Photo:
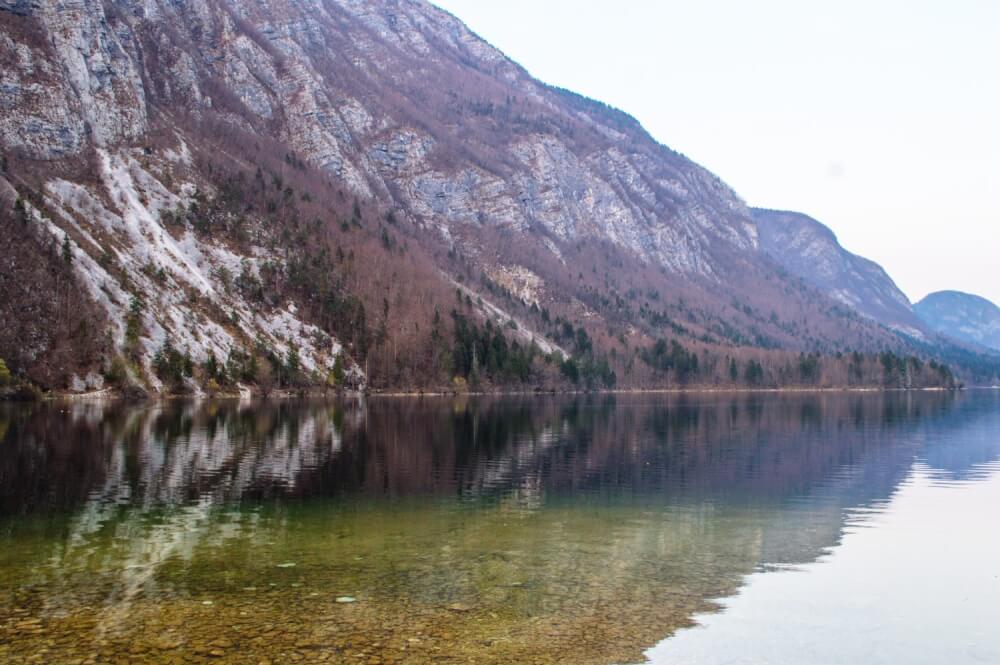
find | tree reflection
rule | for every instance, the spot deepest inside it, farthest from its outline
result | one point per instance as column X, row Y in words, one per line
column 617, row 516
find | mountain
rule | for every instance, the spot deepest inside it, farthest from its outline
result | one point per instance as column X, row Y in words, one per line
column 216, row 194
column 962, row 316
column 810, row 250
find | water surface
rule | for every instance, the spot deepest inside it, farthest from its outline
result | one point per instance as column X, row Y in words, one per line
column 581, row 529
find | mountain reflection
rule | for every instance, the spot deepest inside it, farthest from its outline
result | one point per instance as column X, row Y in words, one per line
column 760, row 447
column 614, row 517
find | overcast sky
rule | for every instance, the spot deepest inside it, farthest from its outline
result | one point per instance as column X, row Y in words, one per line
column 880, row 118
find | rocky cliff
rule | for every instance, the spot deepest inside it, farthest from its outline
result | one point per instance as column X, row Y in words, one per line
column 380, row 94
column 364, row 191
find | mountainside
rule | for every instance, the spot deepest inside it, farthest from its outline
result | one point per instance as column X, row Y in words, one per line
column 963, row 316
column 807, row 248
column 222, row 193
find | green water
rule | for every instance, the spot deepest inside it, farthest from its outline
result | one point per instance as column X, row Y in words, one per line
column 582, row 530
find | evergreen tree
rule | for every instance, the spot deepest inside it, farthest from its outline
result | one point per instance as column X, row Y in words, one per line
column 67, row 251
column 5, row 376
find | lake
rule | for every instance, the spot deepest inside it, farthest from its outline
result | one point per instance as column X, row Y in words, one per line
column 743, row 528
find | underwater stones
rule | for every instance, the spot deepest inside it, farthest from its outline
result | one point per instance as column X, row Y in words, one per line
column 165, row 643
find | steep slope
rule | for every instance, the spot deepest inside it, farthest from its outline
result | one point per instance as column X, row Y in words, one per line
column 807, row 248
column 394, row 98
column 352, row 191
column 962, row 316
column 167, row 294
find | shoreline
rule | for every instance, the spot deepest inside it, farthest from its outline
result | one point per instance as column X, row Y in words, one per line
column 111, row 395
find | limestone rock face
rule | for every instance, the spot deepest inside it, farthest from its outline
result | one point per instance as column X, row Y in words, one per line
column 69, row 80
column 488, row 146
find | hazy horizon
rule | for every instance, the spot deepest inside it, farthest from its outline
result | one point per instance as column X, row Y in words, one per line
column 879, row 121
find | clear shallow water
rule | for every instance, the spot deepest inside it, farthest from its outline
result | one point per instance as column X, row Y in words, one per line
column 793, row 529
column 917, row 581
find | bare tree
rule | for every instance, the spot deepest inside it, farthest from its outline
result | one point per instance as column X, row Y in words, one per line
column 265, row 378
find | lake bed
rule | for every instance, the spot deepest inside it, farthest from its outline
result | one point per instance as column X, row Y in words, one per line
column 583, row 529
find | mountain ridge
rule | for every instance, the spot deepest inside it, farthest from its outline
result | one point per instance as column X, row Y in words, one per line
column 812, row 250
column 300, row 186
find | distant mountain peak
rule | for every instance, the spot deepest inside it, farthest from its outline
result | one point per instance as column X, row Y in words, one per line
column 811, row 250
column 962, row 316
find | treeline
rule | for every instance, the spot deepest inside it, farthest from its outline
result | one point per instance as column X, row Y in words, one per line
column 484, row 354
column 672, row 364
column 586, row 366
column 50, row 327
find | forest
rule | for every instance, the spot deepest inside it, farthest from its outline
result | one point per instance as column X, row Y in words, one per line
column 403, row 325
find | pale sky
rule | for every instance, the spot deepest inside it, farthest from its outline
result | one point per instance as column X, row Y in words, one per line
column 880, row 118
